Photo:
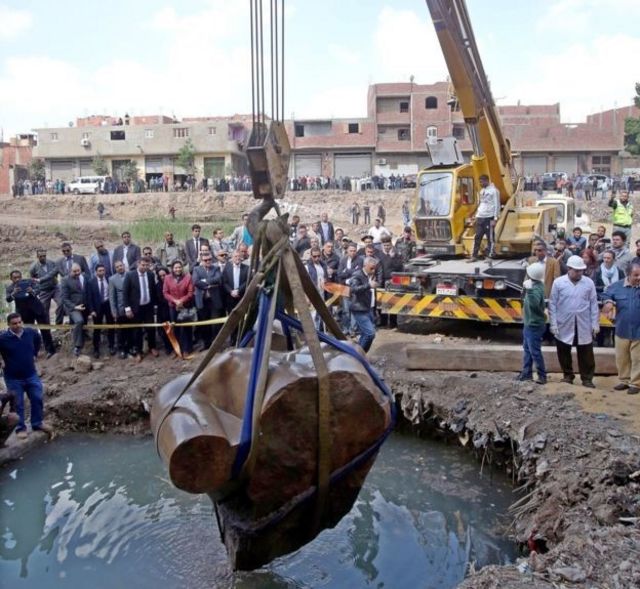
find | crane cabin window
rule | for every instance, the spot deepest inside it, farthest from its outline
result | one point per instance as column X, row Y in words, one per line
column 435, row 195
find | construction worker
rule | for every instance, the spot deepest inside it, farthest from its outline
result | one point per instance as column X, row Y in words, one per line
column 622, row 218
column 534, row 324
column 486, row 217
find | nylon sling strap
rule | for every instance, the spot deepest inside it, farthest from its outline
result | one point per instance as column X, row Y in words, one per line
column 324, row 407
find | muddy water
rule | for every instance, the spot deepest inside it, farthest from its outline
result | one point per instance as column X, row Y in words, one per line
column 99, row 512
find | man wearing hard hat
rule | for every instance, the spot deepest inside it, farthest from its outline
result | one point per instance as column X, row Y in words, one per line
column 574, row 320
column 534, row 324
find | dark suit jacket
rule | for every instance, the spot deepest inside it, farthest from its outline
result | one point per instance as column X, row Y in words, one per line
column 133, row 255
column 227, row 279
column 208, row 282
column 93, row 294
column 191, row 252
column 360, row 292
column 131, row 290
column 61, row 264
column 331, row 235
column 73, row 295
column 344, row 273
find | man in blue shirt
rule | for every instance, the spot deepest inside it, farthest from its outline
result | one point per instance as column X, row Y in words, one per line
column 624, row 297
column 19, row 347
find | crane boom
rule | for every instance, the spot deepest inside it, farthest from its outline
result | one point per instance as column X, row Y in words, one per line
column 455, row 34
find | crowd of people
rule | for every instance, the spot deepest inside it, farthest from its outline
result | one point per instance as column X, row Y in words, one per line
column 181, row 282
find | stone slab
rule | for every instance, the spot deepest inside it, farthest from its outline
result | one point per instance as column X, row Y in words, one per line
column 499, row 358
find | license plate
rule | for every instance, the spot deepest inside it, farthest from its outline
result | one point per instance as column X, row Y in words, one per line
column 446, row 289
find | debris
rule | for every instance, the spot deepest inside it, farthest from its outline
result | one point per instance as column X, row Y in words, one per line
column 83, row 364
column 573, row 574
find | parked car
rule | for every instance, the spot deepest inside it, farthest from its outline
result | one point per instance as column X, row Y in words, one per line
column 549, row 179
column 601, row 178
column 86, row 185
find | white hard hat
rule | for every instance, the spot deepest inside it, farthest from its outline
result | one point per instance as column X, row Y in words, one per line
column 576, row 262
column 536, row 271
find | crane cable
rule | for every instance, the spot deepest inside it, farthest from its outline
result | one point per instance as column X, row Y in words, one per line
column 276, row 63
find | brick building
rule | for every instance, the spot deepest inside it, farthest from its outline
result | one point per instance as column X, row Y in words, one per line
column 401, row 117
column 15, row 157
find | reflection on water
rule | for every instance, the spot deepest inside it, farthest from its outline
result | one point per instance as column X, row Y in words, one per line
column 100, row 512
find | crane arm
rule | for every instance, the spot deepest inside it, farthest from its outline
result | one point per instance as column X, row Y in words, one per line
column 491, row 149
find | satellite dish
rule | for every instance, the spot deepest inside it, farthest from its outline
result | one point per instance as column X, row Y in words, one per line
column 70, row 123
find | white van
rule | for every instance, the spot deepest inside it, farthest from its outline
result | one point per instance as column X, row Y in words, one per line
column 87, row 185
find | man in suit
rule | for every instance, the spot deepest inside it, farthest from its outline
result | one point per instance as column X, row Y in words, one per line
column 68, row 258
column 234, row 279
column 327, row 232
column 116, row 305
column 207, row 283
column 139, row 297
column 100, row 309
column 75, row 302
column 234, row 282
column 128, row 253
column 24, row 294
column 192, row 246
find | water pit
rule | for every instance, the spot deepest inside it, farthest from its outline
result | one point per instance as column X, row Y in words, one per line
column 98, row 511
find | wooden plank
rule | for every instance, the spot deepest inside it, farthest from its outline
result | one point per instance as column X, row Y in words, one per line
column 499, row 358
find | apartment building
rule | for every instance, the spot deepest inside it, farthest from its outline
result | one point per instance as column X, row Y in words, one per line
column 152, row 142
column 15, row 157
column 403, row 117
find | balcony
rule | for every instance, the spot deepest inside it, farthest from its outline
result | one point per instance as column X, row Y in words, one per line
column 393, row 118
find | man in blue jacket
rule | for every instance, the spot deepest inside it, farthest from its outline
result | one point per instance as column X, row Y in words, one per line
column 19, row 347
column 624, row 297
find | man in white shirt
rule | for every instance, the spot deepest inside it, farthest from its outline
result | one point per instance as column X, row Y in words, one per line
column 378, row 230
column 486, row 216
column 574, row 320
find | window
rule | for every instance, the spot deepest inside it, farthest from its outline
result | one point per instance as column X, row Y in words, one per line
column 466, row 193
column 354, row 128
column 53, row 136
column 598, row 160
column 117, row 136
column 431, row 102
column 432, row 132
column 458, row 130
column 404, row 106
column 299, row 130
column 435, row 195
column 148, row 133
column 86, row 135
column 181, row 132
column 404, row 135
column 212, row 130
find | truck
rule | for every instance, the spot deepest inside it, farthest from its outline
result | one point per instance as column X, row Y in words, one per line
column 440, row 282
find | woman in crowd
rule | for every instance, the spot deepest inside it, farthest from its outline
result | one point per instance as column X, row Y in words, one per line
column 589, row 257
column 178, row 292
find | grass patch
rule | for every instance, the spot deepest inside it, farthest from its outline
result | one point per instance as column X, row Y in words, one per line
column 151, row 231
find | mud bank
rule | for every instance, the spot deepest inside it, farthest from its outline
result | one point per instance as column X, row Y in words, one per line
column 577, row 476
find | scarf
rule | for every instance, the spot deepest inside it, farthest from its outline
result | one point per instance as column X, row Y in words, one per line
column 609, row 276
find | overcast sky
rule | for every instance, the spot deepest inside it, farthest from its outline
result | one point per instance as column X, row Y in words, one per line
column 69, row 58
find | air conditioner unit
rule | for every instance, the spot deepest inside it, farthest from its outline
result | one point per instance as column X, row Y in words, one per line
column 382, row 162
column 85, row 142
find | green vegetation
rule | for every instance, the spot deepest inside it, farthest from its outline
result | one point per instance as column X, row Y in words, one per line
column 37, row 170
column 130, row 171
column 100, row 166
column 632, row 128
column 186, row 157
column 151, row 231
